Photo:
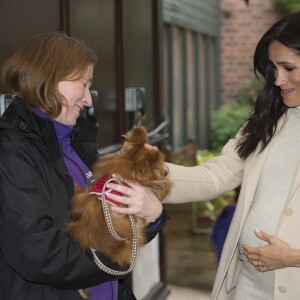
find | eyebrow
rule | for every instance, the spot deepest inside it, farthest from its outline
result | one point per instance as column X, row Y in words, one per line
column 285, row 63
column 282, row 63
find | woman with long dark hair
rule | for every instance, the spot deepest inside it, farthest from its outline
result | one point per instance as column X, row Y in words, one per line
column 261, row 255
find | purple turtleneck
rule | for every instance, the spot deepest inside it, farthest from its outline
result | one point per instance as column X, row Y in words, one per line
column 82, row 177
column 81, row 174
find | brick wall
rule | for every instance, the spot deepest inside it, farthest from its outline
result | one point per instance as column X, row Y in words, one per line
column 241, row 28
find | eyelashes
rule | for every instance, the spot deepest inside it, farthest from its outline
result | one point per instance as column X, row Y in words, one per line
column 286, row 68
column 289, row 69
column 86, row 84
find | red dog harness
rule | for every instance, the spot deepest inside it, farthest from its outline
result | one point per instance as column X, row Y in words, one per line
column 100, row 187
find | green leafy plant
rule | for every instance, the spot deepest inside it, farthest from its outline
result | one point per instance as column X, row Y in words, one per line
column 286, row 7
column 210, row 209
column 226, row 121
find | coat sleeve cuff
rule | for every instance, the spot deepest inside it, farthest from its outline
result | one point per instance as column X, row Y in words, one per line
column 153, row 228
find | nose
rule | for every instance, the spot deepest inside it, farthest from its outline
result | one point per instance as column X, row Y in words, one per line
column 88, row 101
column 280, row 78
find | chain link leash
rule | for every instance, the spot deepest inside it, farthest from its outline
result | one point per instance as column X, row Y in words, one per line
column 107, row 217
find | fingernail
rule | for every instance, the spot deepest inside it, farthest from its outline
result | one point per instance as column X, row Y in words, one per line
column 257, row 230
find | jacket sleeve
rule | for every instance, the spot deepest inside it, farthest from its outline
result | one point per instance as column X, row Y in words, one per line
column 205, row 182
column 153, row 228
column 32, row 245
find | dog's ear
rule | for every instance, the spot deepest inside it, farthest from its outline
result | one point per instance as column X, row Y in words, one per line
column 138, row 135
column 134, row 141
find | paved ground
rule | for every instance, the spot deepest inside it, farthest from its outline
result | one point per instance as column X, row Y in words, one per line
column 183, row 293
column 189, row 257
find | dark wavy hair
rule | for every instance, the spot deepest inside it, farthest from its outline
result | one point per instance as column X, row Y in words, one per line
column 261, row 125
column 34, row 71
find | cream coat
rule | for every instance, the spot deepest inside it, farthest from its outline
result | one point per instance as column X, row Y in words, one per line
column 223, row 173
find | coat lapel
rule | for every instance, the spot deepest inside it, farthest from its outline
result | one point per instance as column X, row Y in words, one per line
column 295, row 184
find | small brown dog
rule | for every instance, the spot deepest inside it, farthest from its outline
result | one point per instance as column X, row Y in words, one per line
column 134, row 163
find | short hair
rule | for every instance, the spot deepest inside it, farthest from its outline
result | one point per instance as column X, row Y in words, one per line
column 34, row 71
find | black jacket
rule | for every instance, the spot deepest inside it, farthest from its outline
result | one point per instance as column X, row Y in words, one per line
column 37, row 260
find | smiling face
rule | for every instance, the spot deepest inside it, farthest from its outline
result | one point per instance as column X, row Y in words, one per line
column 77, row 95
column 287, row 72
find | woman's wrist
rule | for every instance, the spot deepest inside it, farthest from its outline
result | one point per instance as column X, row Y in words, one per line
column 293, row 258
column 155, row 215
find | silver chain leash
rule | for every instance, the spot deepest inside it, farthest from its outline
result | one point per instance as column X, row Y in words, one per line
column 107, row 217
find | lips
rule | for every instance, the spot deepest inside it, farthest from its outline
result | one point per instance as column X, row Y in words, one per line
column 78, row 108
column 287, row 91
